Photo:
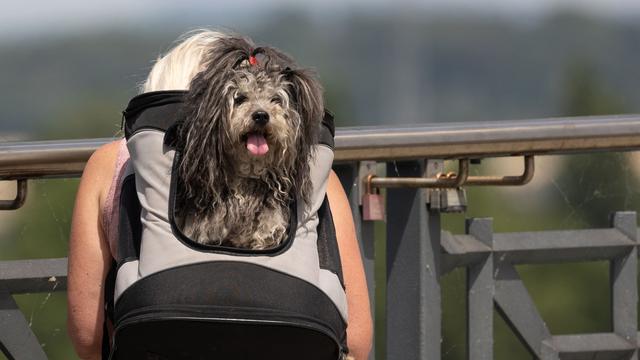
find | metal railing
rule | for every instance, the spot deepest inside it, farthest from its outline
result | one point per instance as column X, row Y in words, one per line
column 418, row 252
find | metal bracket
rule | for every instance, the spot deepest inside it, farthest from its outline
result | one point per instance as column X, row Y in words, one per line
column 438, row 181
column 21, row 196
column 460, row 179
column 525, row 178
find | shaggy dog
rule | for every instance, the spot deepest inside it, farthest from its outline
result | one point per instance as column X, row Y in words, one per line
column 251, row 119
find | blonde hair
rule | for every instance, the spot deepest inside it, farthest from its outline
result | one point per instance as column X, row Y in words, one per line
column 176, row 68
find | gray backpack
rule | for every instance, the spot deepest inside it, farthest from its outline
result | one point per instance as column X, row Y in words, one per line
column 174, row 298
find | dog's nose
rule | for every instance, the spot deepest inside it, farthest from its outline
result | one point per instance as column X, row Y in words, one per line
column 260, row 117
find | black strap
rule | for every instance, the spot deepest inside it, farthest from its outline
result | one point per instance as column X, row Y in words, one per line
column 157, row 109
column 171, row 135
column 327, row 130
column 109, row 290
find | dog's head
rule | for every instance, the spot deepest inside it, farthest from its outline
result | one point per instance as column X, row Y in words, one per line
column 250, row 114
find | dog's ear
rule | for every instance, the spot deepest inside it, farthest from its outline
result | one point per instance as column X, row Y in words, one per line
column 305, row 93
column 202, row 139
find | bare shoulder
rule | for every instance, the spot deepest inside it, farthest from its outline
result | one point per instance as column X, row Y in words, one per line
column 105, row 154
column 100, row 168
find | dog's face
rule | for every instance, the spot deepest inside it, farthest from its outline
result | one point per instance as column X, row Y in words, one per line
column 262, row 126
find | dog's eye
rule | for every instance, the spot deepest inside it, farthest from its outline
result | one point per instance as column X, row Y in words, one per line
column 276, row 100
column 238, row 100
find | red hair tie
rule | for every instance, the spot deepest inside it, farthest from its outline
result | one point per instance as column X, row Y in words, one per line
column 253, row 60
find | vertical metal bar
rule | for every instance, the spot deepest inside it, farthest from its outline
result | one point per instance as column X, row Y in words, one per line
column 480, row 292
column 17, row 341
column 413, row 263
column 624, row 283
column 349, row 177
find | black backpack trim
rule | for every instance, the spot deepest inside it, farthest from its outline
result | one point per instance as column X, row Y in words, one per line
column 328, row 250
column 227, row 292
column 130, row 224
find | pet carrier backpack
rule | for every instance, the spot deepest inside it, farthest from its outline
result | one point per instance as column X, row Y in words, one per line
column 174, row 298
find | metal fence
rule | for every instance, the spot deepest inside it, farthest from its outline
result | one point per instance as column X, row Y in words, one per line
column 418, row 252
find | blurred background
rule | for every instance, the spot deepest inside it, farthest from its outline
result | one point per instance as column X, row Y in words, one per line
column 68, row 68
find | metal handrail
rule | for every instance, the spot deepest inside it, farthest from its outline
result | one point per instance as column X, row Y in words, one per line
column 489, row 139
column 436, row 141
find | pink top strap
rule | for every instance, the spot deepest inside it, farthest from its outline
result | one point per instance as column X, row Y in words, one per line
column 111, row 207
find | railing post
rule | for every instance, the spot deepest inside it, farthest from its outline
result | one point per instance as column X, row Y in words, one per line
column 624, row 283
column 413, row 263
column 480, row 292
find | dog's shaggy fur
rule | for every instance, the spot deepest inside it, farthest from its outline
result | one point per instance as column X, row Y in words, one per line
column 232, row 194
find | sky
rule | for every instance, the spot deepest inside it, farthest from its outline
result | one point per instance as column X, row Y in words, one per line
column 29, row 18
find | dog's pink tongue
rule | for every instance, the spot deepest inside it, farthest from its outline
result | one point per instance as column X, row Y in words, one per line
column 257, row 144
